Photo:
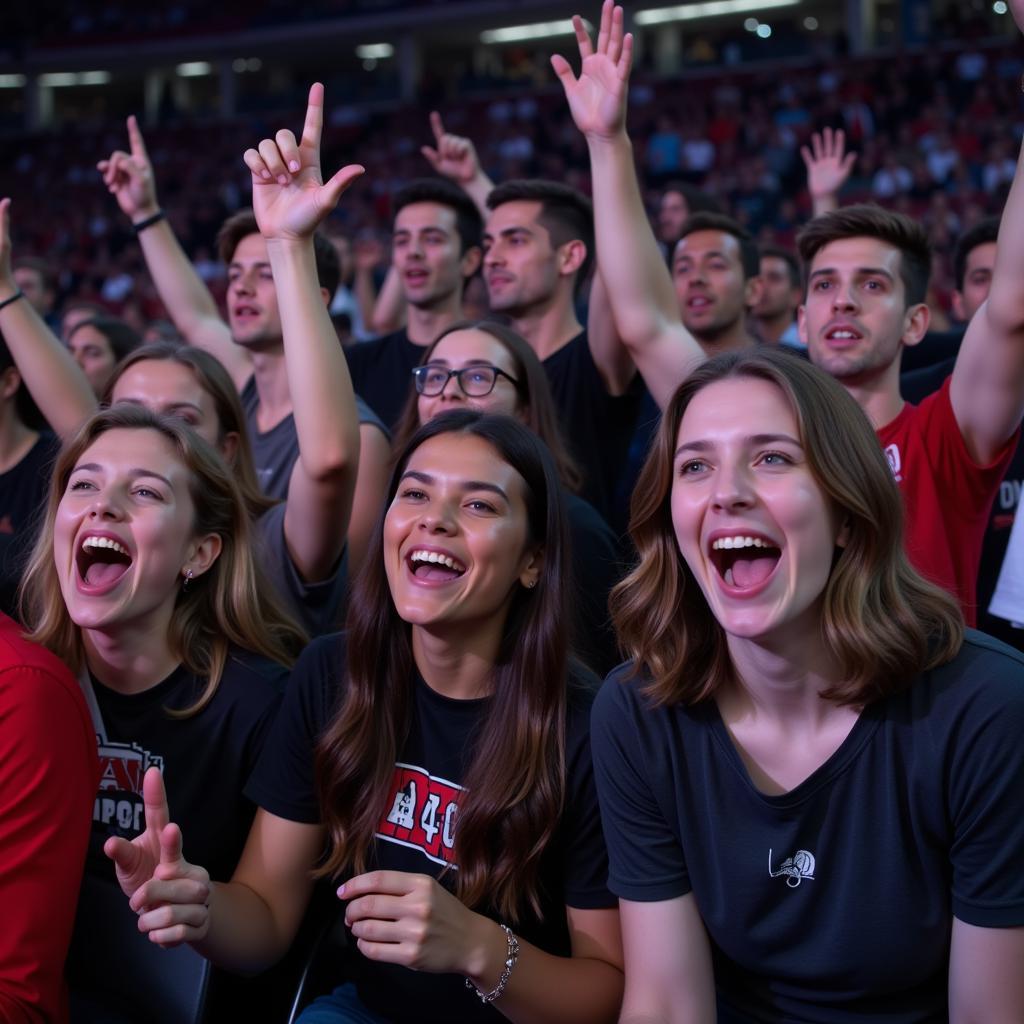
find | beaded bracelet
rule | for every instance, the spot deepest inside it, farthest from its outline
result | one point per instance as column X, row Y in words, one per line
column 19, row 294
column 510, row 961
column 149, row 221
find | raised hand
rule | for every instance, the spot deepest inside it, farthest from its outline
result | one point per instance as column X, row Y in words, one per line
column 454, row 157
column 828, row 164
column 597, row 98
column 129, row 176
column 7, row 283
column 369, row 252
column 289, row 196
column 408, row 919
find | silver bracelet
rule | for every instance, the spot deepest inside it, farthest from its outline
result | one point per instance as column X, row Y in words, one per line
column 510, row 961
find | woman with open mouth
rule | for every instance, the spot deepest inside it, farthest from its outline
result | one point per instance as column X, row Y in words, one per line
column 143, row 582
column 488, row 366
column 440, row 750
column 812, row 782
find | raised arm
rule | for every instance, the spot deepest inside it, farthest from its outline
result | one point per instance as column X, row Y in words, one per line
column 455, row 157
column 639, row 288
column 828, row 167
column 987, row 389
column 47, row 368
column 290, row 199
column 129, row 178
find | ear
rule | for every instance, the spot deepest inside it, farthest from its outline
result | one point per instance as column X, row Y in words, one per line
column 571, row 257
column 915, row 324
column 753, row 289
column 958, row 307
column 202, row 554
column 843, row 536
column 530, row 576
column 326, row 296
column 470, row 262
column 801, row 324
column 229, row 447
column 10, row 381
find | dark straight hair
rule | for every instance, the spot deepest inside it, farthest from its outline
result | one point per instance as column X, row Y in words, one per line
column 515, row 782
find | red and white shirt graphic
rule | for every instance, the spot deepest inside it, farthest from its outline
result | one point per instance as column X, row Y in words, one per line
column 420, row 813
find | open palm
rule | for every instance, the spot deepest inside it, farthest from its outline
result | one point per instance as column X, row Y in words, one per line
column 597, row 98
column 289, row 196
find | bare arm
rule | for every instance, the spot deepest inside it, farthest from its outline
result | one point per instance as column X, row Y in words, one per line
column 986, row 983
column 129, row 177
column 669, row 978
column 371, row 487
column 323, row 480
column 388, row 312
column 828, row 167
column 47, row 368
column 639, row 288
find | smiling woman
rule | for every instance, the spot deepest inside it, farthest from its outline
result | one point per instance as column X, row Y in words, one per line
column 801, row 708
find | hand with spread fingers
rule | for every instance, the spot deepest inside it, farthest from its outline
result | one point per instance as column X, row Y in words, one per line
column 170, row 895
column 412, row 920
column 289, row 196
column 597, row 98
column 828, row 168
column 129, row 176
column 451, row 156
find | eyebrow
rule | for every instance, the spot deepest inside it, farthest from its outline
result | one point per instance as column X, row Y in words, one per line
column 135, row 471
column 753, row 440
column 465, row 485
column 235, row 265
column 864, row 271
column 433, row 361
column 173, row 405
column 514, row 229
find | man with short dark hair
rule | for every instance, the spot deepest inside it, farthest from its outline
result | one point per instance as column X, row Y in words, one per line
column 677, row 203
column 774, row 313
column 435, row 249
column 715, row 269
column 867, row 279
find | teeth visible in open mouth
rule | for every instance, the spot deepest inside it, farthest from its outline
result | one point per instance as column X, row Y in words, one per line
column 104, row 542
column 437, row 559
column 728, row 543
column 843, row 335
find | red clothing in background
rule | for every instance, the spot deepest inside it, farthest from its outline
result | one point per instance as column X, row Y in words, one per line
column 48, row 777
column 946, row 494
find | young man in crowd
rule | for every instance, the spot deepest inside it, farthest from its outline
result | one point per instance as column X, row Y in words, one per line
column 677, row 204
column 774, row 313
column 435, row 250
column 35, row 278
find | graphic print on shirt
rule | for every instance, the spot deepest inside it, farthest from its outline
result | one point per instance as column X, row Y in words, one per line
column 119, row 809
column 795, row 868
column 892, row 453
column 420, row 814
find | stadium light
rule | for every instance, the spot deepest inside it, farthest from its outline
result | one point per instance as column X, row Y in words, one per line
column 538, row 30
column 194, row 68
column 56, row 79
column 375, row 51
column 710, row 9
column 11, row 81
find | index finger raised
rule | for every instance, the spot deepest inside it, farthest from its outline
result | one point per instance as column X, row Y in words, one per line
column 436, row 125
column 135, row 139
column 314, row 123
column 154, row 797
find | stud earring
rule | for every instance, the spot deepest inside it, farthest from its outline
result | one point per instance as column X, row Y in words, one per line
column 188, row 580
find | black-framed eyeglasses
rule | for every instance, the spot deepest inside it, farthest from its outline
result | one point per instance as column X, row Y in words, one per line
column 474, row 381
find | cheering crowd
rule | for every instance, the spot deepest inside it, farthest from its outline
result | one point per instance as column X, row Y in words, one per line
column 291, row 629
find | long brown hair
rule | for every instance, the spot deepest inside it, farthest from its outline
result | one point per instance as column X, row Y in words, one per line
column 217, row 383
column 535, row 404
column 230, row 604
column 515, row 782
column 881, row 621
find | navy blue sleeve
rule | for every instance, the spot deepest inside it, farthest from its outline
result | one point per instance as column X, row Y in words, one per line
column 645, row 858
column 284, row 782
column 986, row 797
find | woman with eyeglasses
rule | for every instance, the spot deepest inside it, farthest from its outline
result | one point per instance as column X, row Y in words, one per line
column 487, row 366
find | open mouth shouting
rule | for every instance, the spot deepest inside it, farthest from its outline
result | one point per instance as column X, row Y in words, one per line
column 101, row 562
column 843, row 334
column 433, row 566
column 745, row 562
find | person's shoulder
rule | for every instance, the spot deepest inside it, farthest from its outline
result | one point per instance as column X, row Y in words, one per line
column 252, row 673
column 321, row 664
column 622, row 692
column 370, row 351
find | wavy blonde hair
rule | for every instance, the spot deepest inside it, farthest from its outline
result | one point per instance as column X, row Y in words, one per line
column 881, row 621
column 230, row 604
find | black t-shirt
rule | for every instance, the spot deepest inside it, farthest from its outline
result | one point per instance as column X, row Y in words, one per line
column 415, row 830
column 23, row 491
column 833, row 902
column 206, row 758
column 382, row 373
column 935, row 347
column 598, row 426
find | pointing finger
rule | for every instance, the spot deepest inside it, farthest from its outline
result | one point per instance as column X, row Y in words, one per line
column 154, row 797
column 135, row 140
column 314, row 124
column 436, row 126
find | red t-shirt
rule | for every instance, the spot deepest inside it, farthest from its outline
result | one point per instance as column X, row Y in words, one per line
column 947, row 496
column 49, row 772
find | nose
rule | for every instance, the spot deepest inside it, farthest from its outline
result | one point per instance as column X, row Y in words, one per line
column 438, row 518
column 105, row 505
column 843, row 298
column 451, row 392
column 493, row 256
column 733, row 488
column 242, row 284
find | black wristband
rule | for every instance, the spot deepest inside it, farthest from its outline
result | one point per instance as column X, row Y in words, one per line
column 149, row 221
column 19, row 294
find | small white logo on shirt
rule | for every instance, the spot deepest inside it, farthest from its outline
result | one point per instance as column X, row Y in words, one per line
column 795, row 868
column 892, row 453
